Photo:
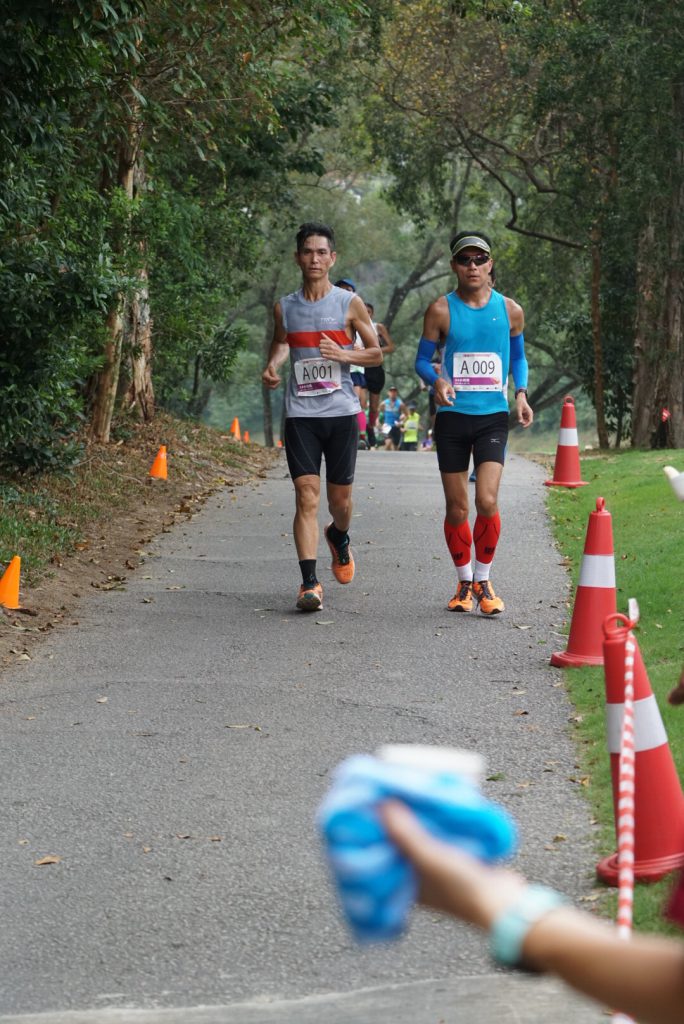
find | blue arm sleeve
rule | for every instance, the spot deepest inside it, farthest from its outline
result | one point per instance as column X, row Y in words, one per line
column 519, row 367
column 424, row 367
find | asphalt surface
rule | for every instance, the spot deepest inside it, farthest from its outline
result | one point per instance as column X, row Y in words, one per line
column 171, row 750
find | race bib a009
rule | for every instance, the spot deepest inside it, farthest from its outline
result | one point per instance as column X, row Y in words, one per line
column 477, row 371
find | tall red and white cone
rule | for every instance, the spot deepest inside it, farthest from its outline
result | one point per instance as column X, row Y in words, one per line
column 658, row 798
column 595, row 597
column 566, row 469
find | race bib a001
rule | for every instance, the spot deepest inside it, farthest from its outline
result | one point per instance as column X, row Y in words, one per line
column 314, row 377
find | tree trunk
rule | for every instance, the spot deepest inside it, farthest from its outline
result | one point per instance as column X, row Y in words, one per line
column 107, row 380
column 599, row 404
column 140, row 392
column 659, row 336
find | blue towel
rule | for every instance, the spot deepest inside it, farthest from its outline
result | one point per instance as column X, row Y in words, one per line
column 376, row 883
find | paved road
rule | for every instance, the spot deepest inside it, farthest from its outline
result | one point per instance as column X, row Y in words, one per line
column 171, row 750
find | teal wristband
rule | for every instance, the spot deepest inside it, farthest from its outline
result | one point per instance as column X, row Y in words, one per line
column 510, row 928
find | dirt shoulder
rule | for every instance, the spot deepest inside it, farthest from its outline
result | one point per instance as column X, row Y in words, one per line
column 99, row 521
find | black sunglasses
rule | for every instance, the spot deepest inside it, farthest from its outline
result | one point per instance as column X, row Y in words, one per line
column 479, row 260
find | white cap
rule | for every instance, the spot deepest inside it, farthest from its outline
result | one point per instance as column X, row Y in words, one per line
column 435, row 759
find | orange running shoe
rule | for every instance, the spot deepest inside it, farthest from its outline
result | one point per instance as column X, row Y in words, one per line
column 462, row 601
column 342, row 564
column 489, row 603
column 310, row 597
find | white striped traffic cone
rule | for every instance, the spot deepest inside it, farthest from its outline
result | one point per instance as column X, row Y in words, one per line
column 566, row 470
column 595, row 597
column 658, row 798
column 676, row 480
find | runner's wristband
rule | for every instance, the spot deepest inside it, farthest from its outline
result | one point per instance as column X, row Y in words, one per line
column 510, row 928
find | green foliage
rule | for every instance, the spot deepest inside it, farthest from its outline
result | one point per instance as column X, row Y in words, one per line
column 570, row 120
column 212, row 106
column 55, row 279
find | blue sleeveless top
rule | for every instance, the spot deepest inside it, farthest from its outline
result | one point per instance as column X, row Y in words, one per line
column 477, row 352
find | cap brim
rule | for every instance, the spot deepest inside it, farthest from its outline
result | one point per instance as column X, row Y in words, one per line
column 471, row 242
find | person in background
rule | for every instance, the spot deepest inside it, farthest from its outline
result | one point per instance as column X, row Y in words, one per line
column 410, row 425
column 358, row 373
column 375, row 376
column 392, row 409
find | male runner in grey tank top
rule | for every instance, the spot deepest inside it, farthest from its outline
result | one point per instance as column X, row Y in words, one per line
column 316, row 326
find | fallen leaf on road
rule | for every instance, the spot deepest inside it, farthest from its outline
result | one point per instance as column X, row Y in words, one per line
column 50, row 859
column 521, row 627
column 215, row 839
column 183, row 835
column 559, row 838
column 147, row 849
column 246, row 725
column 102, row 700
column 517, row 714
column 325, row 622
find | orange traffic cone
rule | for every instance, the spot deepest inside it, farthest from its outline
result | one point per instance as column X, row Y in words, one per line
column 566, row 469
column 9, row 584
column 595, row 597
column 658, row 798
column 235, row 429
column 245, row 437
column 158, row 469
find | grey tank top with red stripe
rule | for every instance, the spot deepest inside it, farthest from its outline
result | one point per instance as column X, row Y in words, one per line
column 313, row 389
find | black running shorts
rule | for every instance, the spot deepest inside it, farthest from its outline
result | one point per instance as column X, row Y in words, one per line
column 309, row 438
column 457, row 434
column 375, row 379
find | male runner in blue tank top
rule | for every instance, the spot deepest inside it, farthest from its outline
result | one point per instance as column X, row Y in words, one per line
column 482, row 334
column 316, row 327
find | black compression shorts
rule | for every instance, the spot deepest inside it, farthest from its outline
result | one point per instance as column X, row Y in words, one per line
column 309, row 438
column 375, row 379
column 457, row 434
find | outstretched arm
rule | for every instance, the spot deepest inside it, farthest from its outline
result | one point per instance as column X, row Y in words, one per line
column 386, row 343
column 278, row 351
column 643, row 977
column 435, row 326
column 519, row 367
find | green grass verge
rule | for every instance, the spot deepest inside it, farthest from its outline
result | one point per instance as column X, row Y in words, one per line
column 648, row 536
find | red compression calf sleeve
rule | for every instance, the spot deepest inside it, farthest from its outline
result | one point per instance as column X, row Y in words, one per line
column 459, row 541
column 486, row 533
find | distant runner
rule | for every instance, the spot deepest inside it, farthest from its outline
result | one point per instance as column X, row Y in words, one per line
column 392, row 409
column 375, row 375
column 316, row 327
column 482, row 334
